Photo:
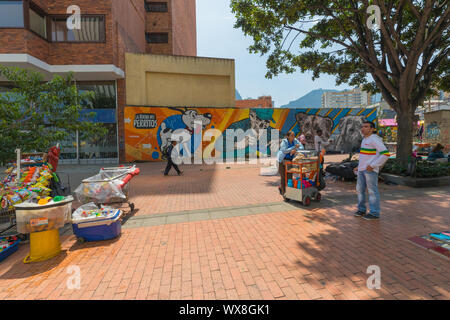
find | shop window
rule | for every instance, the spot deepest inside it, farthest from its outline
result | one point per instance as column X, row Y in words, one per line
column 156, row 6
column 92, row 30
column 38, row 23
column 104, row 147
column 11, row 14
column 157, row 37
column 104, row 95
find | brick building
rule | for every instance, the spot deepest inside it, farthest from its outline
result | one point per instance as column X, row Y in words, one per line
column 261, row 102
column 34, row 35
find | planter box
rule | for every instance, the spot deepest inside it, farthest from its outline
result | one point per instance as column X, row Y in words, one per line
column 416, row 182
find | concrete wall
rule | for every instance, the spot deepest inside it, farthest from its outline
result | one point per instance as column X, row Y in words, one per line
column 437, row 125
column 160, row 80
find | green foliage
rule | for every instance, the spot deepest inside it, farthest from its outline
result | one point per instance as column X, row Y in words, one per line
column 407, row 56
column 394, row 166
column 37, row 114
column 428, row 169
column 332, row 37
column 424, row 169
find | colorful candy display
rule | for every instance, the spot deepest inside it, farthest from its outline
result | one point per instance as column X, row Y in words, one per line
column 96, row 213
column 34, row 183
column 6, row 242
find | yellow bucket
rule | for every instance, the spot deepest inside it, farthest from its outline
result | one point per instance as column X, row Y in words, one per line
column 43, row 246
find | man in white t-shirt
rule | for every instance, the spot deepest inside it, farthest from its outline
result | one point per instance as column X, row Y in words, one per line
column 373, row 155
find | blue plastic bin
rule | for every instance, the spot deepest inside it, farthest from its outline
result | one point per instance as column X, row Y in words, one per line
column 6, row 253
column 98, row 230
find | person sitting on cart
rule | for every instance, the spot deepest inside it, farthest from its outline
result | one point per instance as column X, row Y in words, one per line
column 170, row 162
column 288, row 148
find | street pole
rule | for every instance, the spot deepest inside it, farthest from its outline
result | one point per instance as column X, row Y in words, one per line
column 18, row 166
column 78, row 148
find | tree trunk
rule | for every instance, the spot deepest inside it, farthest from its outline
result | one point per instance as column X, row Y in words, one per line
column 405, row 119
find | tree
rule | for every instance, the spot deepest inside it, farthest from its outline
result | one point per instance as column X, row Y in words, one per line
column 403, row 45
column 35, row 114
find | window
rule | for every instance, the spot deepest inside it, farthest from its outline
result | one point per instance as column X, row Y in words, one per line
column 11, row 14
column 156, row 6
column 103, row 96
column 38, row 23
column 157, row 37
column 92, row 30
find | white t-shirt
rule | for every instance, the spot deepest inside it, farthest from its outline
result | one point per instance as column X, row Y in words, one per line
column 373, row 152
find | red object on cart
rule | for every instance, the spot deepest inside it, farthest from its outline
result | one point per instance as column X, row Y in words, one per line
column 129, row 177
column 53, row 157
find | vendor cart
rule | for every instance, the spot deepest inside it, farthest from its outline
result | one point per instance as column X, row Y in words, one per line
column 305, row 183
column 8, row 223
column 109, row 186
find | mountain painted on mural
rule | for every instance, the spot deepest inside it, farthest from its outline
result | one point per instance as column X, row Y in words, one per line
column 312, row 99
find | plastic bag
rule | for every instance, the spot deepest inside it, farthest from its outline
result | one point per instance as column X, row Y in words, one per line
column 99, row 189
column 268, row 171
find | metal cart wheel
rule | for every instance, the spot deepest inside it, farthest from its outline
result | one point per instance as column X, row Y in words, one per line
column 318, row 197
column 81, row 240
column 307, row 201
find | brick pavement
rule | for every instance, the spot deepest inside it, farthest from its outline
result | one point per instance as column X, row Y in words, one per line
column 283, row 252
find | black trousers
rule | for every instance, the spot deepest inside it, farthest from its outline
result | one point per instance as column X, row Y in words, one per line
column 282, row 171
column 169, row 166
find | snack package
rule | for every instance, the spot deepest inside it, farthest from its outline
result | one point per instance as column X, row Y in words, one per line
column 4, row 203
column 14, row 199
column 24, row 194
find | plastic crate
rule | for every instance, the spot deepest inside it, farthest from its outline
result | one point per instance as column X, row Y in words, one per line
column 6, row 253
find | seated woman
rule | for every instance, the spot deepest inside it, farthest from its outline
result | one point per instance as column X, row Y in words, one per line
column 436, row 153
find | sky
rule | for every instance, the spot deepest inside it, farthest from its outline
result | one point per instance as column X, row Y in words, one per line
column 216, row 37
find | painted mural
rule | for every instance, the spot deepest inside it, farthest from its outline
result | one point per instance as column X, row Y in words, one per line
column 148, row 129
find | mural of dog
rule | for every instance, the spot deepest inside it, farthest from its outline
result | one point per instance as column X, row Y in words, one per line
column 309, row 124
column 258, row 121
column 350, row 135
column 188, row 117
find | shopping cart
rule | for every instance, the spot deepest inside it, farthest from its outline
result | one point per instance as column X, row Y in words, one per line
column 109, row 186
column 7, row 222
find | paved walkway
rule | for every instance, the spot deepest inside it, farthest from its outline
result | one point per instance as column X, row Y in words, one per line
column 226, row 234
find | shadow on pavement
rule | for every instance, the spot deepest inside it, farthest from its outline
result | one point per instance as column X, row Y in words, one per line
column 20, row 270
column 151, row 181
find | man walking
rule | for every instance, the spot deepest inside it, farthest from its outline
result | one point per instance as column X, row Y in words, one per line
column 373, row 155
column 170, row 163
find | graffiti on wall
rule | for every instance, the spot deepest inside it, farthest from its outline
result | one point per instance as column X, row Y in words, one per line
column 433, row 131
column 148, row 129
column 438, row 132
